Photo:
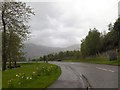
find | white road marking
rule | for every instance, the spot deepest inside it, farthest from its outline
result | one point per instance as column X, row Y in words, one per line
column 105, row 69
column 111, row 71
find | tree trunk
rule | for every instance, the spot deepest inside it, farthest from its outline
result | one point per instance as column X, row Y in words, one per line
column 10, row 63
column 15, row 64
column 10, row 57
column 4, row 55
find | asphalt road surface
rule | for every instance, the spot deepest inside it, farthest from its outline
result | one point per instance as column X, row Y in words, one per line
column 82, row 75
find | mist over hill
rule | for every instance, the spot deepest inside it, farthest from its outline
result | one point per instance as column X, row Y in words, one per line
column 34, row 51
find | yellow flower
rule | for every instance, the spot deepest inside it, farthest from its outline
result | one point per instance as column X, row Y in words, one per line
column 33, row 72
column 27, row 78
column 17, row 75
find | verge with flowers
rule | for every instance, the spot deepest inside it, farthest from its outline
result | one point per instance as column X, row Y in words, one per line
column 31, row 75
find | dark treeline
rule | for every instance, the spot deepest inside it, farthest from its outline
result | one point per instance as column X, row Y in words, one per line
column 61, row 56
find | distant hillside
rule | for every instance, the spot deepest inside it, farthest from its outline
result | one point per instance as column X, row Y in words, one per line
column 34, row 51
column 73, row 47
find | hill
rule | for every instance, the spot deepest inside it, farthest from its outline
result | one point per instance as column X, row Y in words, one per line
column 33, row 51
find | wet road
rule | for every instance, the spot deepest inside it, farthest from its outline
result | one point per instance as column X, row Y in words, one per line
column 82, row 75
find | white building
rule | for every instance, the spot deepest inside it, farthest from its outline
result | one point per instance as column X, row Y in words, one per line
column 119, row 8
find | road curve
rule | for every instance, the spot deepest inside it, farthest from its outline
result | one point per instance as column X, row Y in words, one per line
column 82, row 75
column 68, row 79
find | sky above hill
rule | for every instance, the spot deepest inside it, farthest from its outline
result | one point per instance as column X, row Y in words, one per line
column 61, row 23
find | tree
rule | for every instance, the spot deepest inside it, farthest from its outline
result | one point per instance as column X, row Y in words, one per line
column 14, row 48
column 0, row 47
column 110, row 40
column 15, row 15
column 0, row 43
column 117, row 28
column 84, row 47
column 110, row 27
column 91, row 44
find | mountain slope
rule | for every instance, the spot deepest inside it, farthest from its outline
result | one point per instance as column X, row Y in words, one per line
column 34, row 51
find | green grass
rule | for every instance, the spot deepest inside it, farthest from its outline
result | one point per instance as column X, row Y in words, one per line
column 34, row 75
column 97, row 60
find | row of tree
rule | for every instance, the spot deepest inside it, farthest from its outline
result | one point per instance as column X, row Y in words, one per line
column 96, row 42
column 14, row 18
column 61, row 56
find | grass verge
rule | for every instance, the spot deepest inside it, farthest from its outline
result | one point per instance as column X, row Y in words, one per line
column 32, row 75
column 97, row 60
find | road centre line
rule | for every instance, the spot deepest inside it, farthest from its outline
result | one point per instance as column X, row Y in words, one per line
column 111, row 71
column 105, row 69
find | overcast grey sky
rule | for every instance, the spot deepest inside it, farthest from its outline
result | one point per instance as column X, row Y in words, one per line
column 67, row 22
